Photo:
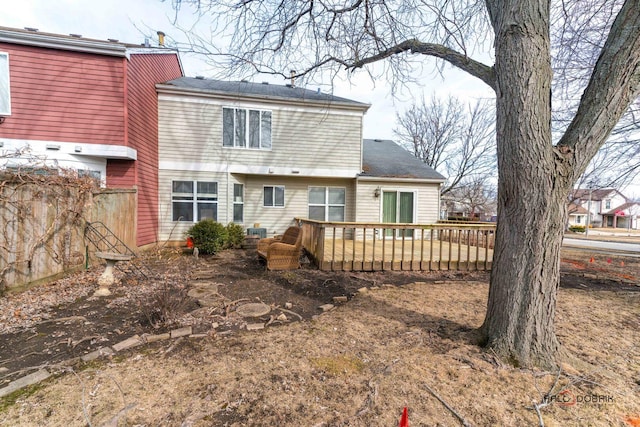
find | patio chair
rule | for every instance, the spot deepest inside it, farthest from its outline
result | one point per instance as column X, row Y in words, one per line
column 282, row 253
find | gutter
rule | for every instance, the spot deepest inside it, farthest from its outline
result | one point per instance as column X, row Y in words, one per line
column 207, row 93
column 63, row 43
column 410, row 180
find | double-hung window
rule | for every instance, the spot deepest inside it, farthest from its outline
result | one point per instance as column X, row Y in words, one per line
column 243, row 128
column 326, row 203
column 273, row 195
column 5, row 93
column 238, row 203
column 194, row 200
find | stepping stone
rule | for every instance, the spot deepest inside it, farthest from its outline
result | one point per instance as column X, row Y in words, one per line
column 254, row 309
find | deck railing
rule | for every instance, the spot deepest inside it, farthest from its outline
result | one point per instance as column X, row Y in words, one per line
column 351, row 246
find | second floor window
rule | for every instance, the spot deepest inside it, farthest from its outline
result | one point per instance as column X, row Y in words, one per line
column 607, row 204
column 244, row 128
column 5, row 93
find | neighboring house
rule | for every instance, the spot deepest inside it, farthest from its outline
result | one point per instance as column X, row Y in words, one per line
column 605, row 207
column 88, row 105
column 468, row 203
column 261, row 155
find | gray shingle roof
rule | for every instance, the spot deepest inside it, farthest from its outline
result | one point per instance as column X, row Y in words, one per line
column 385, row 158
column 264, row 90
column 596, row 194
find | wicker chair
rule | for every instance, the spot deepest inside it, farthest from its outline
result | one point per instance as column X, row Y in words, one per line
column 282, row 253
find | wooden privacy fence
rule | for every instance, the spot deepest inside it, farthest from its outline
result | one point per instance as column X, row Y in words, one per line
column 351, row 246
column 42, row 232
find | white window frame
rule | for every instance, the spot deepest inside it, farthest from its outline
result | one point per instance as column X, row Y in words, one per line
column 326, row 203
column 238, row 203
column 246, row 144
column 5, row 81
column 194, row 199
column 274, row 205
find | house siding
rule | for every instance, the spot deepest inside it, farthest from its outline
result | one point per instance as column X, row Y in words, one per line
column 143, row 72
column 64, row 96
column 370, row 207
column 274, row 219
column 191, row 133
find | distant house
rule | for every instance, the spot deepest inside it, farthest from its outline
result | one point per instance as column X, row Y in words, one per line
column 605, row 207
column 88, row 105
column 261, row 155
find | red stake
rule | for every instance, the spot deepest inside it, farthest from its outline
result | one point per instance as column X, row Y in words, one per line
column 404, row 421
column 608, row 260
column 591, row 260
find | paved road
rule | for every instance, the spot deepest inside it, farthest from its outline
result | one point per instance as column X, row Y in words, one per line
column 603, row 246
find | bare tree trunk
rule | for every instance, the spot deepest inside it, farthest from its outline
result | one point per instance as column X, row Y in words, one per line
column 519, row 323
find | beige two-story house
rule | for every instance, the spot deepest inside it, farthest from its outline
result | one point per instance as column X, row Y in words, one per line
column 258, row 153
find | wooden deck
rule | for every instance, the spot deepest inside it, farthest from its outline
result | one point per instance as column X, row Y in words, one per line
column 383, row 247
column 350, row 255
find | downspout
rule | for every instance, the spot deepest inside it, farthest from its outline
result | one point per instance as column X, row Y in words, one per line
column 439, row 214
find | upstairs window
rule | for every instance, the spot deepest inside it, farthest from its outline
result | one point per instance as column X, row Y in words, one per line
column 5, row 93
column 243, row 128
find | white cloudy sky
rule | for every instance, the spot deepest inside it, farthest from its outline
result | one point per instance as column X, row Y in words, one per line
column 126, row 19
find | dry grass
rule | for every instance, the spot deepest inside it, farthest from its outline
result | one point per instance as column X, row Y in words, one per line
column 359, row 365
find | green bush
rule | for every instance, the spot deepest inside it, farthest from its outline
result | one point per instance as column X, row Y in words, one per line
column 235, row 235
column 208, row 236
column 577, row 228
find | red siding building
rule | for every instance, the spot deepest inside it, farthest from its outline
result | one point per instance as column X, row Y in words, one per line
column 89, row 105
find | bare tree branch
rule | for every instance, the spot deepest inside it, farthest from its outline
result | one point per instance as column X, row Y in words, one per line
column 475, row 68
column 614, row 84
column 457, row 141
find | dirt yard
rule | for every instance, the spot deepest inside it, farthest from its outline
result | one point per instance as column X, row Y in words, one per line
column 392, row 340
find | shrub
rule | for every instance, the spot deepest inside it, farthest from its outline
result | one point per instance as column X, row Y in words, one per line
column 166, row 304
column 208, row 236
column 577, row 228
column 235, row 233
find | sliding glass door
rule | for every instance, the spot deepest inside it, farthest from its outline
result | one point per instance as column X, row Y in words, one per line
column 398, row 207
